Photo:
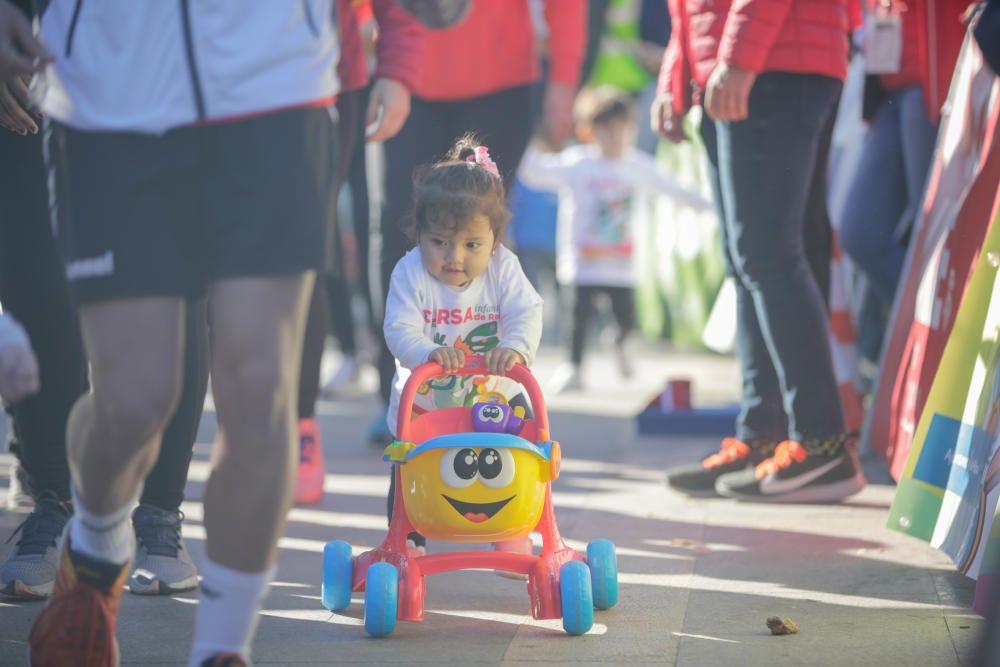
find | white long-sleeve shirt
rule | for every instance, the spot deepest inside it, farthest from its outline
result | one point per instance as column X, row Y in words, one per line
column 603, row 206
column 499, row 308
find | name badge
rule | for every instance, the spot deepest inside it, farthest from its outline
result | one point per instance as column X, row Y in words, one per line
column 883, row 44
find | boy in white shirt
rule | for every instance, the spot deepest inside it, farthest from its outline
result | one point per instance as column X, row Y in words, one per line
column 604, row 187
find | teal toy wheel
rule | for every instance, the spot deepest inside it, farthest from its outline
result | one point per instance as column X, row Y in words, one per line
column 381, row 599
column 338, row 575
column 577, row 598
column 603, row 564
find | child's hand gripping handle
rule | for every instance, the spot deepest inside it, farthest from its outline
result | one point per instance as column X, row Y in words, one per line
column 473, row 366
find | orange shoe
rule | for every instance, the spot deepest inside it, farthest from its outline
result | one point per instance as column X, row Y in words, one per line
column 77, row 626
column 309, row 482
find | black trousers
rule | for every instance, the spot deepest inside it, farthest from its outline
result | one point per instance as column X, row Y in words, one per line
column 622, row 308
column 33, row 288
column 502, row 121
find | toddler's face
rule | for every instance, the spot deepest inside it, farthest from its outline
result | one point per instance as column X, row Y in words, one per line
column 457, row 256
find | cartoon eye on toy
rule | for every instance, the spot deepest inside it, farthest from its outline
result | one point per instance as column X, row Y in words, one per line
column 496, row 467
column 459, row 467
column 491, row 413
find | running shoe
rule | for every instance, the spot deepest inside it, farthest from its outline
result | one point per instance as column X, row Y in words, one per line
column 698, row 479
column 19, row 498
column 224, row 660
column 816, row 471
column 163, row 565
column 30, row 571
column 568, row 377
column 624, row 361
column 77, row 626
column 309, row 482
column 346, row 382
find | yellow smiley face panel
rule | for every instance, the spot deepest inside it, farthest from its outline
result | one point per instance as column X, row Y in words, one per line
column 481, row 488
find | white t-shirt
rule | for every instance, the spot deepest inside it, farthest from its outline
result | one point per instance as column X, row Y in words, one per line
column 603, row 206
column 499, row 308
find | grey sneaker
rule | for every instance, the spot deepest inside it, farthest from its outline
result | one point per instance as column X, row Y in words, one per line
column 163, row 565
column 30, row 571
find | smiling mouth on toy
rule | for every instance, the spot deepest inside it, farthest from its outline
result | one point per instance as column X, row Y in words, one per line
column 477, row 512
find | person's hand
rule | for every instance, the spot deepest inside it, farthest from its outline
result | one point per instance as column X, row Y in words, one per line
column 19, row 375
column 664, row 122
column 501, row 359
column 388, row 107
column 451, row 359
column 14, row 105
column 557, row 111
column 727, row 94
column 21, row 53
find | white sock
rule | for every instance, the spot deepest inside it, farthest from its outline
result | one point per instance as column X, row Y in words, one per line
column 106, row 537
column 228, row 606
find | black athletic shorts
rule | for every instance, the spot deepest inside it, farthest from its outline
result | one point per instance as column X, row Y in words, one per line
column 140, row 215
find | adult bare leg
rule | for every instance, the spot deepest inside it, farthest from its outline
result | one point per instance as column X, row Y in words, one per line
column 257, row 330
column 113, row 435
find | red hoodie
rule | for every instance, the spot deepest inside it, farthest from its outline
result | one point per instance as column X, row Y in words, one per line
column 930, row 47
column 494, row 48
column 804, row 36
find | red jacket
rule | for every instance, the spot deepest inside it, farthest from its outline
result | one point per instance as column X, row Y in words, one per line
column 806, row 36
column 930, row 47
column 352, row 68
column 494, row 48
column 399, row 48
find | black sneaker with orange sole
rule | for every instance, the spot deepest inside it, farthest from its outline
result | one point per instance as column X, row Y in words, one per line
column 816, row 471
column 698, row 479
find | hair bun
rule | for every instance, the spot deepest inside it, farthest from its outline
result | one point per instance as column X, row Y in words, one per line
column 464, row 148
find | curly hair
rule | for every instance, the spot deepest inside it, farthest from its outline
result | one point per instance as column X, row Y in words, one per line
column 451, row 192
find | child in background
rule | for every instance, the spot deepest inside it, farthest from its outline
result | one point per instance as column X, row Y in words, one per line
column 460, row 291
column 604, row 187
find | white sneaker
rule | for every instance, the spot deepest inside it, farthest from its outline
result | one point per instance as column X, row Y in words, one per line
column 566, row 378
column 19, row 498
column 346, row 381
column 624, row 361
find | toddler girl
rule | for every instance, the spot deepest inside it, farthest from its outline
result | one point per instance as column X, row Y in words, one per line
column 460, row 291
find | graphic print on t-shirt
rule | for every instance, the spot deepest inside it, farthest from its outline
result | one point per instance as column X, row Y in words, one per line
column 462, row 390
column 609, row 234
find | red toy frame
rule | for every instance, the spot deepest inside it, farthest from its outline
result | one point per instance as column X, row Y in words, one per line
column 542, row 570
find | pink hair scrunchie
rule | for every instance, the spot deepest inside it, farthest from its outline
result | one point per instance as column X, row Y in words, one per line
column 481, row 156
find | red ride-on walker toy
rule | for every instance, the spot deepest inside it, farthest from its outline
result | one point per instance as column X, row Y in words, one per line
column 472, row 474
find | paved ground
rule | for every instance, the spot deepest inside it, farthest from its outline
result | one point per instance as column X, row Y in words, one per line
column 698, row 577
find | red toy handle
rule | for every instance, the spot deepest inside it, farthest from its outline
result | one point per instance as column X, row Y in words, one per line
column 473, row 366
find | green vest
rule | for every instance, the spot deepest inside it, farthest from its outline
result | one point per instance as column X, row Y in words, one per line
column 615, row 65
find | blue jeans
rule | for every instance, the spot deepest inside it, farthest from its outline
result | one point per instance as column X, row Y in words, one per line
column 767, row 174
column 888, row 189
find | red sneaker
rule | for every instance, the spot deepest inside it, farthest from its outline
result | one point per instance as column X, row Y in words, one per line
column 225, row 660
column 77, row 626
column 309, row 482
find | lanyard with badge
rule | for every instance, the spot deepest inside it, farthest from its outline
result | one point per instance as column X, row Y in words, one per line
column 884, row 38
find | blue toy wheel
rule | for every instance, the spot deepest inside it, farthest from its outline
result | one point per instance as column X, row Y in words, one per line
column 603, row 565
column 338, row 575
column 381, row 599
column 577, row 599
